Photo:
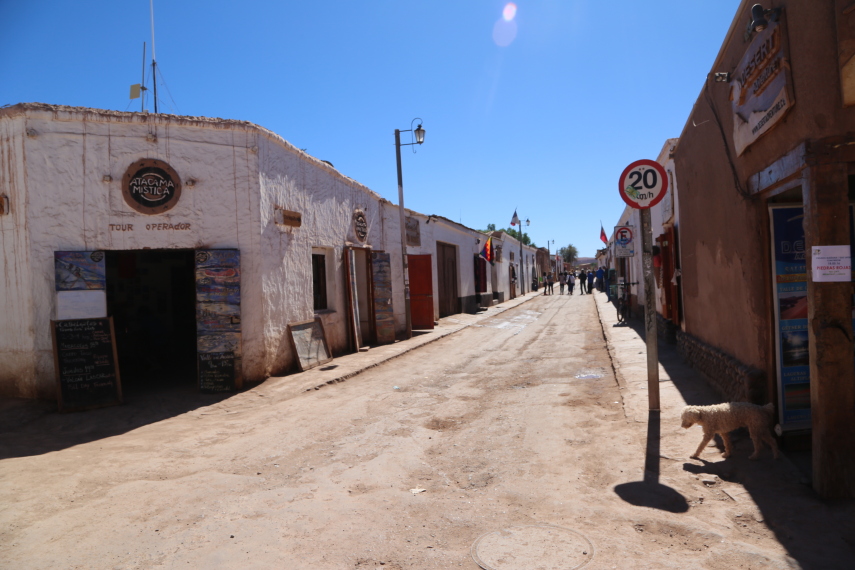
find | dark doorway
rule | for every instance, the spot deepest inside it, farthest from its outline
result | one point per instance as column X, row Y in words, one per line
column 152, row 298
column 446, row 275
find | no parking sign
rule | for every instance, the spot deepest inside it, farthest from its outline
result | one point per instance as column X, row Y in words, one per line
column 624, row 241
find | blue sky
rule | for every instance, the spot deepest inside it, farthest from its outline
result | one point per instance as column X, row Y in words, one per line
column 544, row 123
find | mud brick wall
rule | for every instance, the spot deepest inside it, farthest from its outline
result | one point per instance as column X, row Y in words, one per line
column 733, row 380
column 666, row 330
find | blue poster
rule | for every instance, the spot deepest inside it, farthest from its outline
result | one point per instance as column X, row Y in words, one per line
column 79, row 270
column 791, row 316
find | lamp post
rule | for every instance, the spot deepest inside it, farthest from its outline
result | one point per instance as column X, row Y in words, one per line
column 549, row 254
column 419, row 133
column 522, row 258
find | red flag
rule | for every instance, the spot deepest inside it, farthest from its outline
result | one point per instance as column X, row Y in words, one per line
column 603, row 235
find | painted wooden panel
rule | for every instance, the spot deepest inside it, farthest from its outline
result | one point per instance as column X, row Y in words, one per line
column 218, row 319
column 309, row 344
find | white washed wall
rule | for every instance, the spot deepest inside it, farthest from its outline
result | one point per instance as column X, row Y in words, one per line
column 17, row 356
column 327, row 200
column 510, row 245
column 241, row 172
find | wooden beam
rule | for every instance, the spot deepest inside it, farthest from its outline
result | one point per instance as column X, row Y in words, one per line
column 784, row 170
column 830, row 335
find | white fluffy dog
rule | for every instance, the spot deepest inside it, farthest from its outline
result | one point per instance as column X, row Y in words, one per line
column 724, row 418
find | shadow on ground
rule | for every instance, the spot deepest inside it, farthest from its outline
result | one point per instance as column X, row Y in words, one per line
column 35, row 427
column 816, row 533
column 650, row 492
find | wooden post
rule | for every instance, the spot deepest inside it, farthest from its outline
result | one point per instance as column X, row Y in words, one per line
column 830, row 336
column 650, row 332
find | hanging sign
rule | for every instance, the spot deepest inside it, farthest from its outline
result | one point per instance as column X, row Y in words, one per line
column 414, row 236
column 624, row 241
column 151, row 186
column 761, row 91
column 643, row 184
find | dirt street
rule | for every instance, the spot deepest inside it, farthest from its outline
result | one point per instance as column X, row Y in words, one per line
column 516, row 420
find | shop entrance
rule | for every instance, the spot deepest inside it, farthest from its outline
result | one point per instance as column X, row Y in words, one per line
column 151, row 296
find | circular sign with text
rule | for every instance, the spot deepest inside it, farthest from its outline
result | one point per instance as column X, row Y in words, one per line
column 643, row 184
column 151, row 186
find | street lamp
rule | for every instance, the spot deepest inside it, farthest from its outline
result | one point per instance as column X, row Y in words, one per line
column 419, row 134
column 549, row 254
column 522, row 258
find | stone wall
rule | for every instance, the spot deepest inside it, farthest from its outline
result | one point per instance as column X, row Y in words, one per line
column 733, row 380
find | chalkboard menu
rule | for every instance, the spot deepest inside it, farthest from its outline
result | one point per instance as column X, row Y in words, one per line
column 217, row 371
column 87, row 373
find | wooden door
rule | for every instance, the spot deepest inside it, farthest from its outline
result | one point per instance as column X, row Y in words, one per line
column 480, row 274
column 672, row 288
column 421, row 290
column 381, row 287
column 352, row 301
column 446, row 275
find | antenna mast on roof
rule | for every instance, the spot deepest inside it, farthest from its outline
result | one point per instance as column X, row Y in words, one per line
column 142, row 85
column 153, row 59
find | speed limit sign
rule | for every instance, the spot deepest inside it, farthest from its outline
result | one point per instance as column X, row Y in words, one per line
column 643, row 184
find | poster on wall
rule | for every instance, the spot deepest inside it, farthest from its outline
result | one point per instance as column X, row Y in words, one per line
column 791, row 312
column 218, row 323
column 80, row 281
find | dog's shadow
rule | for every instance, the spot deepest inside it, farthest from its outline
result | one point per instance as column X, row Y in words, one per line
column 724, row 469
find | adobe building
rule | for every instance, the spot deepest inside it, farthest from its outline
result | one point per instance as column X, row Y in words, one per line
column 765, row 165
column 198, row 236
column 201, row 238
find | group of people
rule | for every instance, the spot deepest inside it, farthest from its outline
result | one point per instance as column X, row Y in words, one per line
column 570, row 279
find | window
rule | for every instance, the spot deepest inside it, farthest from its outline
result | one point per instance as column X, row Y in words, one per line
column 319, row 280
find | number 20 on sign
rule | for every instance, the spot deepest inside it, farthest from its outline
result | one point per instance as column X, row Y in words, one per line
column 643, row 184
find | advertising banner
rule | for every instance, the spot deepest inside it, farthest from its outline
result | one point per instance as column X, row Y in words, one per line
column 791, row 311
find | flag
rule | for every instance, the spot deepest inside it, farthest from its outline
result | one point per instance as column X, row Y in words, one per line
column 515, row 220
column 487, row 252
column 603, row 235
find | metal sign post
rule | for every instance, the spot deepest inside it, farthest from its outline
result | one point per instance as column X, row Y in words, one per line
column 642, row 185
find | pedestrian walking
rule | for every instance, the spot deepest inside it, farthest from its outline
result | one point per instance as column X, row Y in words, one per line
column 551, row 284
column 562, row 280
column 571, row 280
column 600, row 274
column 582, row 282
column 590, row 281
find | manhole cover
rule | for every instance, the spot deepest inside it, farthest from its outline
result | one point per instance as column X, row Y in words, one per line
column 534, row 547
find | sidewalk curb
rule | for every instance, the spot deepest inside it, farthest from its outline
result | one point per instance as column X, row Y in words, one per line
column 610, row 347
